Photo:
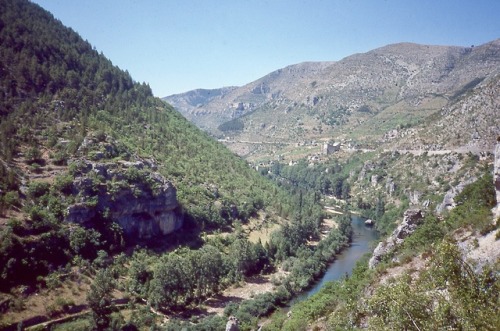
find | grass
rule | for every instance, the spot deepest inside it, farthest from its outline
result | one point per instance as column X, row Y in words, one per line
column 400, row 114
column 264, row 233
column 81, row 324
column 261, row 227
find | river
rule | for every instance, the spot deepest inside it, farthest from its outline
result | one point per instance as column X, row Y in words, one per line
column 363, row 237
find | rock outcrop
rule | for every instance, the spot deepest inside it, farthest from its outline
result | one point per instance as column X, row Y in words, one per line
column 449, row 197
column 496, row 177
column 131, row 194
column 411, row 220
column 232, row 324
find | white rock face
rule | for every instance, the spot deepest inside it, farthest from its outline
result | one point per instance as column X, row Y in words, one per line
column 496, row 179
column 232, row 324
column 411, row 220
column 144, row 208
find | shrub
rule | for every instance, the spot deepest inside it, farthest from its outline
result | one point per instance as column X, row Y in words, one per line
column 12, row 198
column 38, row 189
column 64, row 183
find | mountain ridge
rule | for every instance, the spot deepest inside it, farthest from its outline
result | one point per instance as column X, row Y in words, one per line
column 325, row 100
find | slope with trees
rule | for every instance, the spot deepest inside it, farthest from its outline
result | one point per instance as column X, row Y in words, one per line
column 57, row 95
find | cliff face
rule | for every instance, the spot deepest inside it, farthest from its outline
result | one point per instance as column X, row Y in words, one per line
column 496, row 178
column 131, row 194
column 411, row 220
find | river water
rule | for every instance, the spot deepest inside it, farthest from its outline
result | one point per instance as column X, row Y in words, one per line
column 363, row 237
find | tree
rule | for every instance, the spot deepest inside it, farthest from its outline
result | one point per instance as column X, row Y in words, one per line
column 139, row 274
column 212, row 270
column 242, row 257
column 168, row 286
column 84, row 242
column 100, row 300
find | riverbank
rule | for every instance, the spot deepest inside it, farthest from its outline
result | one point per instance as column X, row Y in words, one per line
column 361, row 243
column 259, row 295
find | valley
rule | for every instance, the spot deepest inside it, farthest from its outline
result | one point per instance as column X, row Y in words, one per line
column 123, row 211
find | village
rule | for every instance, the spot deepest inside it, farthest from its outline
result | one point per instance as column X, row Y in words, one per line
column 318, row 152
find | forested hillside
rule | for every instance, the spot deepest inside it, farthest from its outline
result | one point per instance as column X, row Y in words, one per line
column 56, row 89
column 116, row 213
column 79, row 136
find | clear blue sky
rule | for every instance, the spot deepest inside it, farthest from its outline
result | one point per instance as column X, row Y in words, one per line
column 180, row 45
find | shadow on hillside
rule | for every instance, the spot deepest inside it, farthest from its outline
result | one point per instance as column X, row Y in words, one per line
column 220, row 301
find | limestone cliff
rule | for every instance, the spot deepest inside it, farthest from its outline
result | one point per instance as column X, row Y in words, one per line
column 411, row 220
column 496, row 177
column 131, row 194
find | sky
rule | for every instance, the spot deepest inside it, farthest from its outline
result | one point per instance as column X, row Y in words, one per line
column 180, row 45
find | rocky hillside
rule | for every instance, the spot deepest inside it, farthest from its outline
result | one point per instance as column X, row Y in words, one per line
column 90, row 160
column 239, row 101
column 131, row 193
column 364, row 98
column 191, row 101
column 469, row 122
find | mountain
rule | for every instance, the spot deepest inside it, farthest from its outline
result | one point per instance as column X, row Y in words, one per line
column 359, row 98
column 87, row 151
column 239, row 101
column 118, row 213
column 192, row 100
column 58, row 92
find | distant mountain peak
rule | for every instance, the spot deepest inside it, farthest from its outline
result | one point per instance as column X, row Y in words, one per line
column 406, row 82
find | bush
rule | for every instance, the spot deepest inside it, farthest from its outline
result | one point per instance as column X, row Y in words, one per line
column 38, row 189
column 60, row 158
column 33, row 155
column 64, row 183
column 12, row 198
column 470, row 302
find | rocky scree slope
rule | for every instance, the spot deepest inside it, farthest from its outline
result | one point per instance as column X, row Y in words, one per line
column 193, row 101
column 469, row 123
column 361, row 97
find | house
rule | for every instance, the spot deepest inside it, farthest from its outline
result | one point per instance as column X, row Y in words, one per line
column 330, row 148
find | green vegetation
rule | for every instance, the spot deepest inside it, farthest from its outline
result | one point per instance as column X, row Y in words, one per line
column 63, row 105
column 448, row 293
column 334, row 117
column 232, row 125
column 239, row 257
column 474, row 205
column 329, row 178
column 57, row 91
column 99, row 299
